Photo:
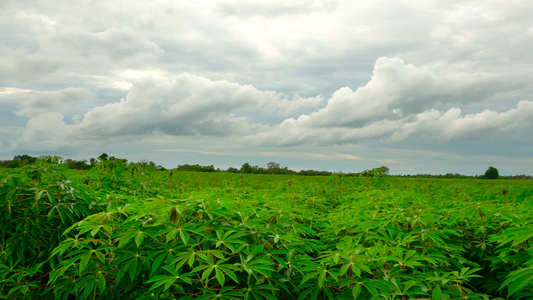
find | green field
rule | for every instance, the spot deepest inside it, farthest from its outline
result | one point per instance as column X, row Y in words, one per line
column 130, row 232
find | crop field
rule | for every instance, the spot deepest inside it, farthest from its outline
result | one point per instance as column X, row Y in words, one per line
column 130, row 232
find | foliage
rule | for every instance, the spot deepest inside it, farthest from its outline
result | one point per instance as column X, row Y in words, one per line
column 377, row 172
column 195, row 168
column 128, row 231
column 491, row 173
column 18, row 161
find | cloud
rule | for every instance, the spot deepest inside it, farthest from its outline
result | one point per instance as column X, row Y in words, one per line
column 37, row 102
column 115, row 43
column 268, row 73
column 273, row 8
column 398, row 103
column 20, row 65
column 397, row 89
column 45, row 132
column 488, row 123
column 187, row 105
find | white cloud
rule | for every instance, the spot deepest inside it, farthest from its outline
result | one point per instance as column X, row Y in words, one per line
column 489, row 123
column 37, row 102
column 116, row 44
column 187, row 105
column 397, row 103
column 277, row 73
column 20, row 65
column 45, row 132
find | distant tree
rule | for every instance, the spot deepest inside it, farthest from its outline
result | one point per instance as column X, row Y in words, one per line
column 273, row 165
column 383, row 170
column 314, row 173
column 19, row 161
column 13, row 163
column 377, row 172
column 258, row 170
column 232, row 170
column 77, row 164
column 491, row 173
column 103, row 156
column 209, row 168
column 246, row 168
column 25, row 159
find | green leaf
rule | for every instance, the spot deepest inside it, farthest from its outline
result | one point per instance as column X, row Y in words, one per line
column 322, row 278
column 356, row 290
column 169, row 282
column 206, row 272
column 437, row 294
column 126, row 238
column 51, row 198
column 133, row 264
column 100, row 256
column 220, row 276
column 171, row 235
column 231, row 275
column 101, row 282
column 85, row 260
column 139, row 237
column 519, row 280
column 184, row 237
column 158, row 261
column 89, row 288
column 95, row 230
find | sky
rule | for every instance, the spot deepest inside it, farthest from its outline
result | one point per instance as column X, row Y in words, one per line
column 419, row 86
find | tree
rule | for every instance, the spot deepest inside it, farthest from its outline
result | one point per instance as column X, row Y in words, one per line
column 491, row 173
column 103, row 156
column 232, row 170
column 273, row 165
column 273, row 168
column 77, row 164
column 378, row 172
column 246, row 168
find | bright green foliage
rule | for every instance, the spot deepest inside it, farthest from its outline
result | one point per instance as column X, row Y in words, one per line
column 130, row 232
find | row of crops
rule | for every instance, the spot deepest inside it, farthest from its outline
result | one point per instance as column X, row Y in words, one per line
column 130, row 232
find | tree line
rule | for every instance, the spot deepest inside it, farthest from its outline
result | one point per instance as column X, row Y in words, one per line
column 23, row 160
column 271, row 168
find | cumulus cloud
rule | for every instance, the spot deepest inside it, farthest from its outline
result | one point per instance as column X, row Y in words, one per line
column 397, row 103
column 187, row 105
column 45, row 132
column 37, row 102
column 488, row 123
column 439, row 72
column 397, row 89
column 452, row 126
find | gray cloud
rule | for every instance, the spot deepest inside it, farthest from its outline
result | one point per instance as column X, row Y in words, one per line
column 187, row 105
column 399, row 101
column 114, row 43
column 37, row 102
column 267, row 74
column 20, row 65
